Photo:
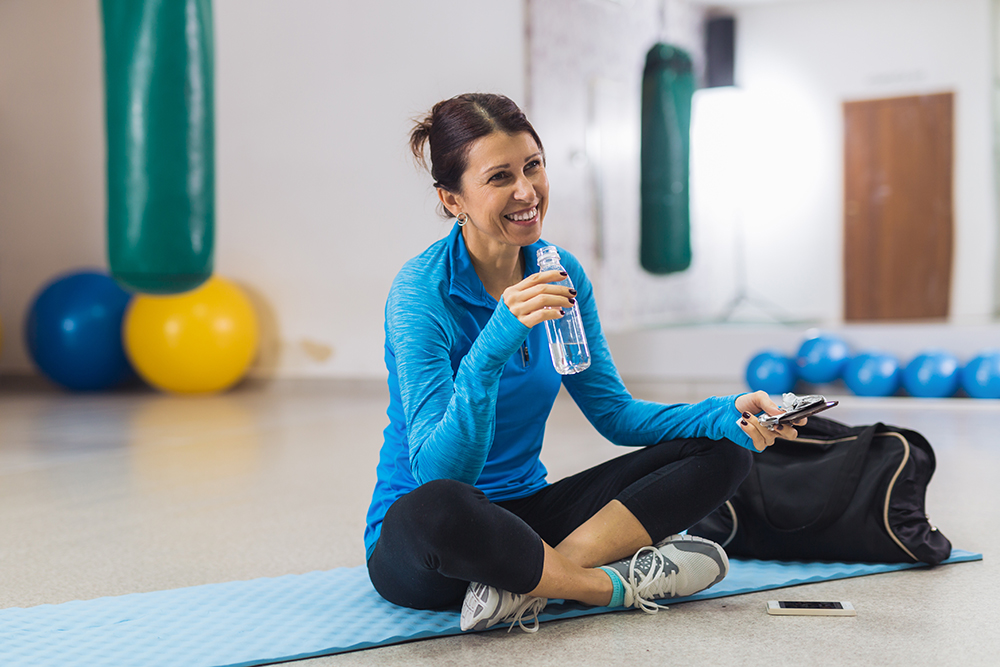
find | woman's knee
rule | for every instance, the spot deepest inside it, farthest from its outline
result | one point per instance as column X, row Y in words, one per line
column 439, row 512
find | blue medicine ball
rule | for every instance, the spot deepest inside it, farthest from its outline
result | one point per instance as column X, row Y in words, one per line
column 981, row 376
column 772, row 372
column 932, row 374
column 73, row 331
column 822, row 358
column 872, row 374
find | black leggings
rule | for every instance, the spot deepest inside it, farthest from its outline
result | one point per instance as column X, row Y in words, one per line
column 444, row 534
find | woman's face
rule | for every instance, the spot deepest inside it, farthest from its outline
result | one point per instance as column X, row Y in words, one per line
column 505, row 191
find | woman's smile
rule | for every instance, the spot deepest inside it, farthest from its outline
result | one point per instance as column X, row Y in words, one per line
column 525, row 217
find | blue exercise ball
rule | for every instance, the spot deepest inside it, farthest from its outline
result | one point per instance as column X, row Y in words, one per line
column 772, row 372
column 822, row 358
column 872, row 374
column 932, row 374
column 73, row 331
column 981, row 376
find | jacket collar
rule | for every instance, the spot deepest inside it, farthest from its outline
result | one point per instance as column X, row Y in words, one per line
column 464, row 281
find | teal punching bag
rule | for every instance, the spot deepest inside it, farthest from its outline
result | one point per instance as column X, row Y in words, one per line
column 161, row 161
column 667, row 89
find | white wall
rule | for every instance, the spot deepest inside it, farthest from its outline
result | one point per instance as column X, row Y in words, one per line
column 996, row 143
column 797, row 63
column 51, row 153
column 318, row 202
column 767, row 158
column 586, row 64
column 770, row 155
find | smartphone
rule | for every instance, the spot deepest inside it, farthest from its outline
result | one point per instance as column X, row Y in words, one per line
column 805, row 408
column 810, row 608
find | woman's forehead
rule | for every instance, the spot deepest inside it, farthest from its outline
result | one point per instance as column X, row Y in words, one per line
column 501, row 149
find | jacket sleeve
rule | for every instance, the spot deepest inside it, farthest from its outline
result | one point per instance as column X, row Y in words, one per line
column 624, row 420
column 450, row 415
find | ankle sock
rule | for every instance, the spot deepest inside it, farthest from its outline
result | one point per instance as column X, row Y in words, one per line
column 618, row 596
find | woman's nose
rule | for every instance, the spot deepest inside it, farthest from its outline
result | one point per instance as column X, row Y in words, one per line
column 523, row 189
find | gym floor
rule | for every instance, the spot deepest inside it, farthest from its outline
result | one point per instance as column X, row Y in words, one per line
column 108, row 494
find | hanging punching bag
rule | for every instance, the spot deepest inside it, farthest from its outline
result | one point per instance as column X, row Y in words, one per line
column 161, row 163
column 667, row 89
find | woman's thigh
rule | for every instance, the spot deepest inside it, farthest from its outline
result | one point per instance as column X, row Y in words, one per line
column 668, row 487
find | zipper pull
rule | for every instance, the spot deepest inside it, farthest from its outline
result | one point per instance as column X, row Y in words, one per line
column 524, row 354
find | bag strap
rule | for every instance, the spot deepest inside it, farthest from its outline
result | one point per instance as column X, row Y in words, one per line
column 844, row 487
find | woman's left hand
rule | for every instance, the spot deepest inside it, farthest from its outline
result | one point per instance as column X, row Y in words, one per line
column 749, row 406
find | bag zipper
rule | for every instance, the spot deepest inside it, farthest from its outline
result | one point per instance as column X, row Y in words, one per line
column 736, row 523
column 892, row 483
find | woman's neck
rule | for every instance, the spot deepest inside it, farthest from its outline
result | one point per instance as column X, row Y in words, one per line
column 498, row 265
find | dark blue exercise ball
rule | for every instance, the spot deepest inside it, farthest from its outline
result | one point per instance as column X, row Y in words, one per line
column 872, row 374
column 772, row 372
column 932, row 374
column 73, row 331
column 981, row 376
column 822, row 358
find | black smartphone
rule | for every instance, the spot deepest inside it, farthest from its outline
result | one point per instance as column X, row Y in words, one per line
column 805, row 408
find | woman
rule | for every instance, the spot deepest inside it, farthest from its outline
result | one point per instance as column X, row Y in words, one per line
column 462, row 505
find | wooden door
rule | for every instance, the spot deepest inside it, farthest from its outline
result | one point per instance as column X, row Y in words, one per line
column 898, row 159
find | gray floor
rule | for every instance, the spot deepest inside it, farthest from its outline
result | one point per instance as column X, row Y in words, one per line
column 136, row 491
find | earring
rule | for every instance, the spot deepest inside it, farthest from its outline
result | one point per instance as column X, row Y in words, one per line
column 462, row 218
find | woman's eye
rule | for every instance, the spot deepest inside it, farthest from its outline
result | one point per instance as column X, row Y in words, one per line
column 534, row 164
column 498, row 176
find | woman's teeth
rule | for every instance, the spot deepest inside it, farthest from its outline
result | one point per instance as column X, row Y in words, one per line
column 522, row 217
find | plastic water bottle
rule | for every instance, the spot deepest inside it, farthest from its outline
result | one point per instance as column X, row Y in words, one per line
column 567, row 341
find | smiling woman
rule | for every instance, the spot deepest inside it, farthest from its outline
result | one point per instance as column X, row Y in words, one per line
column 505, row 202
column 462, row 505
column 489, row 170
column 501, row 205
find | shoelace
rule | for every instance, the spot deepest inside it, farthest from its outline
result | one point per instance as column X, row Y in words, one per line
column 653, row 582
column 534, row 605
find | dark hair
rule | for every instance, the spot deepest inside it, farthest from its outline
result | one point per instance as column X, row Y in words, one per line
column 454, row 124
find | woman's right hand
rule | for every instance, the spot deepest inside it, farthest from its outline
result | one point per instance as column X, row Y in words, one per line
column 535, row 299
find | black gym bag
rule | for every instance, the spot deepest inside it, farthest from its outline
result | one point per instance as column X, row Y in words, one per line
column 837, row 493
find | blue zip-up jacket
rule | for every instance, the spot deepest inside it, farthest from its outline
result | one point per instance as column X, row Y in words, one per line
column 470, row 387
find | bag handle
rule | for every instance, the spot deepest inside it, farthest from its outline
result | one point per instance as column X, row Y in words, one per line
column 844, row 488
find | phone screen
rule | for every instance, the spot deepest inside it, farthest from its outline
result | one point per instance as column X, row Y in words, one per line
column 799, row 413
column 810, row 605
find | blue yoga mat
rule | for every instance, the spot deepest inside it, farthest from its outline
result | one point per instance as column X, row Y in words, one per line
column 263, row 621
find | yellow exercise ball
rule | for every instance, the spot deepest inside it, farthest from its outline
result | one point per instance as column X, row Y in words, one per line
column 197, row 342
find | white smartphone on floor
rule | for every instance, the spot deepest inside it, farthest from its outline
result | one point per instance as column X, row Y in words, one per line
column 810, row 608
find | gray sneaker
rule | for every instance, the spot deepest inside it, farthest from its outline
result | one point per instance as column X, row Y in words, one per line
column 677, row 567
column 485, row 606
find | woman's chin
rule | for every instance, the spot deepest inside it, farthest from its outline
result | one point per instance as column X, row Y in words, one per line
column 527, row 236
column 525, row 229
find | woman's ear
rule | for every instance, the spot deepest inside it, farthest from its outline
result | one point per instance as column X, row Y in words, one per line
column 450, row 201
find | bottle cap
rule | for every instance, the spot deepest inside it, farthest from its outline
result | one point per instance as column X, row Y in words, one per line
column 549, row 252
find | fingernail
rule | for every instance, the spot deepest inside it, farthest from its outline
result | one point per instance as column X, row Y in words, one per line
column 563, row 273
column 779, row 426
column 562, row 311
column 746, row 415
column 744, row 422
column 572, row 300
column 572, row 291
